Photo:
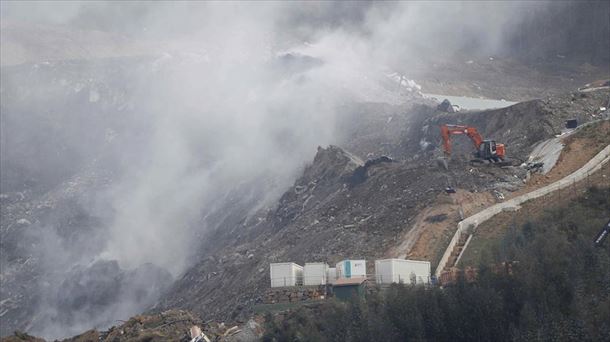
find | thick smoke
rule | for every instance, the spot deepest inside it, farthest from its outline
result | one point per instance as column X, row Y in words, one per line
column 228, row 99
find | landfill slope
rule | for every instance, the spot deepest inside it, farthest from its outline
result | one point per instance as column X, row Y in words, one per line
column 349, row 202
column 331, row 213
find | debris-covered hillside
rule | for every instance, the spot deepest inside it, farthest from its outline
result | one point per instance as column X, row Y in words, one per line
column 171, row 325
column 357, row 198
column 156, row 156
column 341, row 209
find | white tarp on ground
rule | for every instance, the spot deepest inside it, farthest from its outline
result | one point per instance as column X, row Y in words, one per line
column 472, row 102
column 546, row 152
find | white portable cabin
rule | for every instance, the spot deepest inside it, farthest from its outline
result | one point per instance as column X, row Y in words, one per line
column 351, row 269
column 331, row 275
column 315, row 273
column 389, row 271
column 285, row 274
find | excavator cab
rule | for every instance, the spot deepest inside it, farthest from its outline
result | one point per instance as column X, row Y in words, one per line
column 489, row 150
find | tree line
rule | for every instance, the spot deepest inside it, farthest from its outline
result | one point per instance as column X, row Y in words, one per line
column 559, row 291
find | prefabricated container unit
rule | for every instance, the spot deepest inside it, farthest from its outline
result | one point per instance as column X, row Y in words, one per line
column 389, row 271
column 314, row 273
column 351, row 269
column 331, row 275
column 285, row 274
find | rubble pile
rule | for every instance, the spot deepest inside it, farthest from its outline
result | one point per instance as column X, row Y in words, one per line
column 323, row 218
column 360, row 173
column 294, row 294
column 171, row 325
column 522, row 125
column 320, row 218
column 447, row 107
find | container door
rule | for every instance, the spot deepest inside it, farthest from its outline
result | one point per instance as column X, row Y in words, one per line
column 348, row 269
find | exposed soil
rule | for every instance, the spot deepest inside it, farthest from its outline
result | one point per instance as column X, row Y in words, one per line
column 436, row 224
column 579, row 149
column 427, row 238
column 171, row 325
column 396, row 208
column 490, row 232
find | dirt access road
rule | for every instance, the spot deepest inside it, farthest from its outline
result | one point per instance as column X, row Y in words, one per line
column 435, row 226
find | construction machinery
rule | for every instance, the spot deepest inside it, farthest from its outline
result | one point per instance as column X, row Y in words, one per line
column 485, row 149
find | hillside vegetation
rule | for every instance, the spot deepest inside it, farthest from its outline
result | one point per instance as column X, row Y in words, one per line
column 558, row 290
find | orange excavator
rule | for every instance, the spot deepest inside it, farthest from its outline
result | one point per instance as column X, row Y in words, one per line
column 485, row 149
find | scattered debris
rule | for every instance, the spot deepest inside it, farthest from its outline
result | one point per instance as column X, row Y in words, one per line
column 533, row 166
column 19, row 336
column 499, row 195
column 571, row 123
column 360, row 173
column 231, row 331
column 197, row 335
column 436, row 218
column 595, row 85
column 446, row 106
column 602, row 234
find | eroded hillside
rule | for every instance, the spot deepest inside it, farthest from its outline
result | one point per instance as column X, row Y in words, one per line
column 336, row 211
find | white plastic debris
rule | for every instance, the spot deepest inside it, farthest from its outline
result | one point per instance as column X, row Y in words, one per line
column 232, row 331
column 197, row 335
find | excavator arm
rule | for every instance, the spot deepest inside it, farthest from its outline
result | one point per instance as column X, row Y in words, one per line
column 471, row 132
column 485, row 149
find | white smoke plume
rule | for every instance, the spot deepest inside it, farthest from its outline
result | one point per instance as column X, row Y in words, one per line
column 229, row 94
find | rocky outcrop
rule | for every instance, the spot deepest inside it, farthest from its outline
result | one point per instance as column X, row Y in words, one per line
column 171, row 325
column 330, row 169
column 295, row 294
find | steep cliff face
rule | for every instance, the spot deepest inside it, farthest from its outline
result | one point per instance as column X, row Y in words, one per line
column 321, row 218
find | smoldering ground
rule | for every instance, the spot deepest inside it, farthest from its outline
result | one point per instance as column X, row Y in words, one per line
column 229, row 100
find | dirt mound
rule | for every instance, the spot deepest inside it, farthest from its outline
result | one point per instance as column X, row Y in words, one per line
column 522, row 125
column 331, row 163
column 171, row 325
column 321, row 218
column 324, row 218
